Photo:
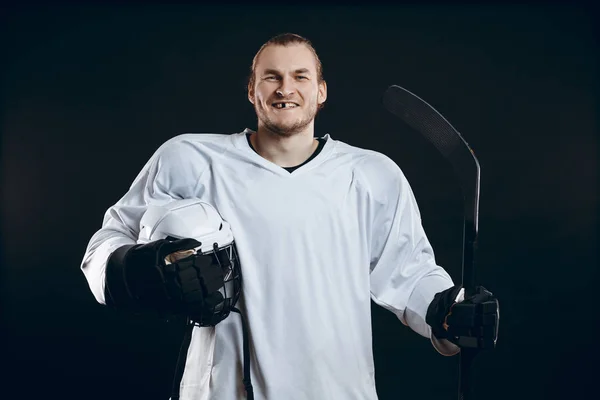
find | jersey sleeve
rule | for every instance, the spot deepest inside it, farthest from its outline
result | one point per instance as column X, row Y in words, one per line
column 171, row 173
column 404, row 274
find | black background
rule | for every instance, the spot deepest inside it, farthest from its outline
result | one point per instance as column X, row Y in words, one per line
column 89, row 92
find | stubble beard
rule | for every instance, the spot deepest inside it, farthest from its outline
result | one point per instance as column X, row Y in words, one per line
column 286, row 130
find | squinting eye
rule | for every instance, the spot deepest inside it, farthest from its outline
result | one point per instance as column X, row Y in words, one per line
column 270, row 78
column 302, row 77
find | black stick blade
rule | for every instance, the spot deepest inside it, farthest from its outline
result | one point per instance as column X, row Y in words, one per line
column 426, row 120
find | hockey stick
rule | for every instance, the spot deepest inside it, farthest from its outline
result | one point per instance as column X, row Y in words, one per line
column 422, row 117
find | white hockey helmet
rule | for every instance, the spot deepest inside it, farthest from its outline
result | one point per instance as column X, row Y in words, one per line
column 196, row 219
column 188, row 218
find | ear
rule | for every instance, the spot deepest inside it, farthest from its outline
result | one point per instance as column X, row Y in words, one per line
column 250, row 94
column 322, row 95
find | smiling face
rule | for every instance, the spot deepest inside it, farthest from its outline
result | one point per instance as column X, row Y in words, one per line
column 286, row 93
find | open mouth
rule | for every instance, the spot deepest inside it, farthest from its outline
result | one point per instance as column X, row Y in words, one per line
column 284, row 105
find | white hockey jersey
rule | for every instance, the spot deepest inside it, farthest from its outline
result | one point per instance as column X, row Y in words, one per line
column 315, row 245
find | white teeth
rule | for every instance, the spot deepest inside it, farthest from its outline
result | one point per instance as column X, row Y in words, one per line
column 285, row 105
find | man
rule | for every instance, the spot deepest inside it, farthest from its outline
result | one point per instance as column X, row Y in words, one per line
column 321, row 228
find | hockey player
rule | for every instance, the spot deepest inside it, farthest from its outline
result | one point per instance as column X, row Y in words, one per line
column 321, row 229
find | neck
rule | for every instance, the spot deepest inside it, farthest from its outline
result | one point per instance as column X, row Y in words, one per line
column 285, row 151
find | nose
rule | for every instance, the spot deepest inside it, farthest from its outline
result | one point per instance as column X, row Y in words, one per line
column 286, row 89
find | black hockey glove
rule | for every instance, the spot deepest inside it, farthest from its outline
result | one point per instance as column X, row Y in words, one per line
column 138, row 279
column 472, row 323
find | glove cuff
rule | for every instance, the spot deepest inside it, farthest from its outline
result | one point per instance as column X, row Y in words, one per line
column 439, row 308
column 116, row 288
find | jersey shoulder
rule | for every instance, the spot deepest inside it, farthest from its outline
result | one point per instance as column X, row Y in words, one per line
column 374, row 171
column 369, row 163
column 213, row 140
column 194, row 145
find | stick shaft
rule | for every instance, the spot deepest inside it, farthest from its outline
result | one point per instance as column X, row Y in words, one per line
column 465, row 389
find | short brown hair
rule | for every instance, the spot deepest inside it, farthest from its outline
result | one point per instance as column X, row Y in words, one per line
column 285, row 39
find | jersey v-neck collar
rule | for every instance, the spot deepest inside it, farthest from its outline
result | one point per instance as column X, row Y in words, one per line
column 309, row 159
column 241, row 141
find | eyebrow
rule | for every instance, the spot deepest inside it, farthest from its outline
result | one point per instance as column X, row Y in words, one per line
column 275, row 72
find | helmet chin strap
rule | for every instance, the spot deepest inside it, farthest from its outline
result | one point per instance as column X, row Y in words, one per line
column 247, row 381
